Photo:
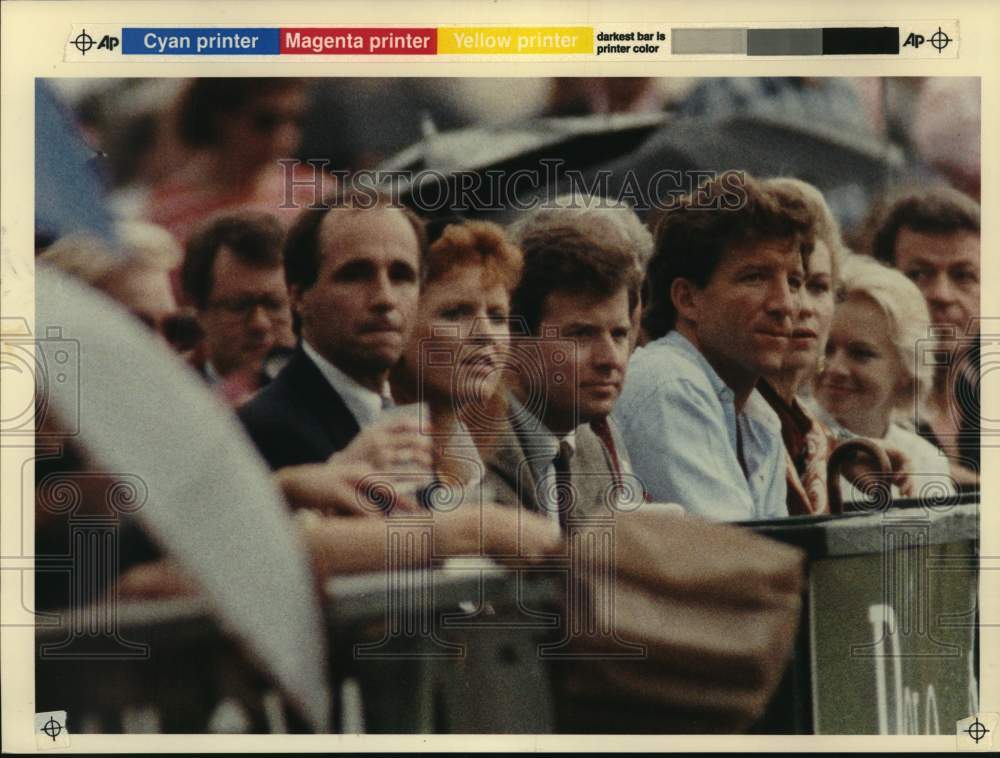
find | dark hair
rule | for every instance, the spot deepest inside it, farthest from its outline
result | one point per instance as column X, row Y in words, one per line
column 563, row 259
column 207, row 100
column 940, row 210
column 302, row 255
column 692, row 238
column 254, row 239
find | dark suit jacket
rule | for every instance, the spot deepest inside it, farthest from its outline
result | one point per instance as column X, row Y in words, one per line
column 299, row 417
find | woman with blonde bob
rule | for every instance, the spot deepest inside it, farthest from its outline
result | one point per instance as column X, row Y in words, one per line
column 810, row 443
column 873, row 383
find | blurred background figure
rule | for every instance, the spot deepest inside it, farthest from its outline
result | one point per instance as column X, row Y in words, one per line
column 946, row 129
column 935, row 121
column 138, row 277
column 932, row 236
column 133, row 123
column 872, row 380
column 890, row 102
column 582, row 96
column 236, row 130
column 233, row 275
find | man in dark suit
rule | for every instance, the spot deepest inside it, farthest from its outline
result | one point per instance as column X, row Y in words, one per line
column 575, row 300
column 353, row 274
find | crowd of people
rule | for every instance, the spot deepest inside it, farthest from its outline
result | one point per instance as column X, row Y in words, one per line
column 574, row 363
column 739, row 362
column 934, row 120
column 735, row 357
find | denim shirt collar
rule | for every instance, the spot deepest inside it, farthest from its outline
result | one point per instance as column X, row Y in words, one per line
column 755, row 413
column 678, row 340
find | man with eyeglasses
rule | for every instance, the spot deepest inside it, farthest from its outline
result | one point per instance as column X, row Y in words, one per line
column 233, row 276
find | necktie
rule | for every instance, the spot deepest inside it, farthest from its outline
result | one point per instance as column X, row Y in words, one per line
column 564, row 484
column 602, row 429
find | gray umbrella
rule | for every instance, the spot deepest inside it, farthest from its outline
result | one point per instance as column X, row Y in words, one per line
column 211, row 502
column 525, row 152
column 620, row 156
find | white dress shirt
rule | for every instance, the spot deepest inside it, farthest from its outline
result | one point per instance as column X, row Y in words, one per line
column 211, row 375
column 366, row 406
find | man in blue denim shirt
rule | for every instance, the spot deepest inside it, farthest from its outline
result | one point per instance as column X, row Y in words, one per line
column 722, row 291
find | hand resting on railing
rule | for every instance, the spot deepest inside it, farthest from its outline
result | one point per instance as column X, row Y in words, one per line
column 343, row 545
column 340, row 546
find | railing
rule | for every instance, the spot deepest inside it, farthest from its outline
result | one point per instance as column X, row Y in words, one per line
column 396, row 666
column 888, row 644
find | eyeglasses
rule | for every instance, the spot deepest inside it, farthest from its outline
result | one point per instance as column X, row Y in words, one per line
column 243, row 307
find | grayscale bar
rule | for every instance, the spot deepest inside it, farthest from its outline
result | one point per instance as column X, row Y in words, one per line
column 708, row 41
column 785, row 42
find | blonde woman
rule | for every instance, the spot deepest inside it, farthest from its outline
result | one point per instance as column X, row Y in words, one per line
column 873, row 383
column 810, row 443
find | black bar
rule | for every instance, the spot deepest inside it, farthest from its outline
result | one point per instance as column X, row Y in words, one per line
column 872, row 40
